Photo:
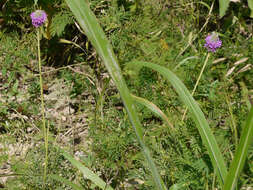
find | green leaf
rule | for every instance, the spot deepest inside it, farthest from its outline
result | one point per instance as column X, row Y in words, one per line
column 15, row 87
column 153, row 108
column 59, row 22
column 95, row 34
column 241, row 153
column 35, row 2
column 176, row 187
column 197, row 115
column 205, row 4
column 65, row 181
column 88, row 173
column 223, row 6
column 250, row 4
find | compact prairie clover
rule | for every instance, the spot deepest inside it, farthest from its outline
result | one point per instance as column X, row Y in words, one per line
column 38, row 17
column 213, row 42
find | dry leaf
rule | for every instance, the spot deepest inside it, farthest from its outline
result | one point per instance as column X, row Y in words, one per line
column 241, row 61
column 230, row 71
column 246, row 68
column 219, row 60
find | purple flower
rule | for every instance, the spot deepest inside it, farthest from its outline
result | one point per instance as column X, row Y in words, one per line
column 38, row 17
column 213, row 42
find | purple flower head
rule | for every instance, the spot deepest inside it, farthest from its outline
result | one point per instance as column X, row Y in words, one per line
column 213, row 42
column 38, row 17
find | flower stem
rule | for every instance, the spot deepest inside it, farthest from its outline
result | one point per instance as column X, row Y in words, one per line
column 45, row 131
column 196, row 84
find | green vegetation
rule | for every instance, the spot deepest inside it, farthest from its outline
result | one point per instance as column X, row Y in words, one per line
column 115, row 95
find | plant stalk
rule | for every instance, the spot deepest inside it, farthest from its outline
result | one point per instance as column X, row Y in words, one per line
column 45, row 132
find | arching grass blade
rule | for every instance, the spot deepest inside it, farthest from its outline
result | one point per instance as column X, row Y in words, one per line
column 95, row 34
column 153, row 108
column 241, row 153
column 88, row 173
column 250, row 4
column 197, row 115
column 65, row 181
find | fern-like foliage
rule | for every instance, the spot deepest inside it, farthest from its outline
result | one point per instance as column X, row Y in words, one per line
column 59, row 22
column 16, row 13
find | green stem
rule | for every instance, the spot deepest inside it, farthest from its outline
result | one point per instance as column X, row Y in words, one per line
column 196, row 84
column 45, row 132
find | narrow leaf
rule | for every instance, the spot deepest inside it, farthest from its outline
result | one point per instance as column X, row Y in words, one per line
column 250, row 4
column 88, row 173
column 197, row 115
column 153, row 108
column 241, row 153
column 73, row 43
column 223, row 6
column 95, row 34
column 65, row 181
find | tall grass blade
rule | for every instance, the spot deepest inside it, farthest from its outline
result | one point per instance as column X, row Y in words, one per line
column 241, row 153
column 153, row 108
column 88, row 173
column 223, row 6
column 197, row 115
column 95, row 34
column 65, row 181
column 250, row 4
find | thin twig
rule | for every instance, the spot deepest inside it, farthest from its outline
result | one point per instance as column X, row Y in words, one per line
column 60, row 68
